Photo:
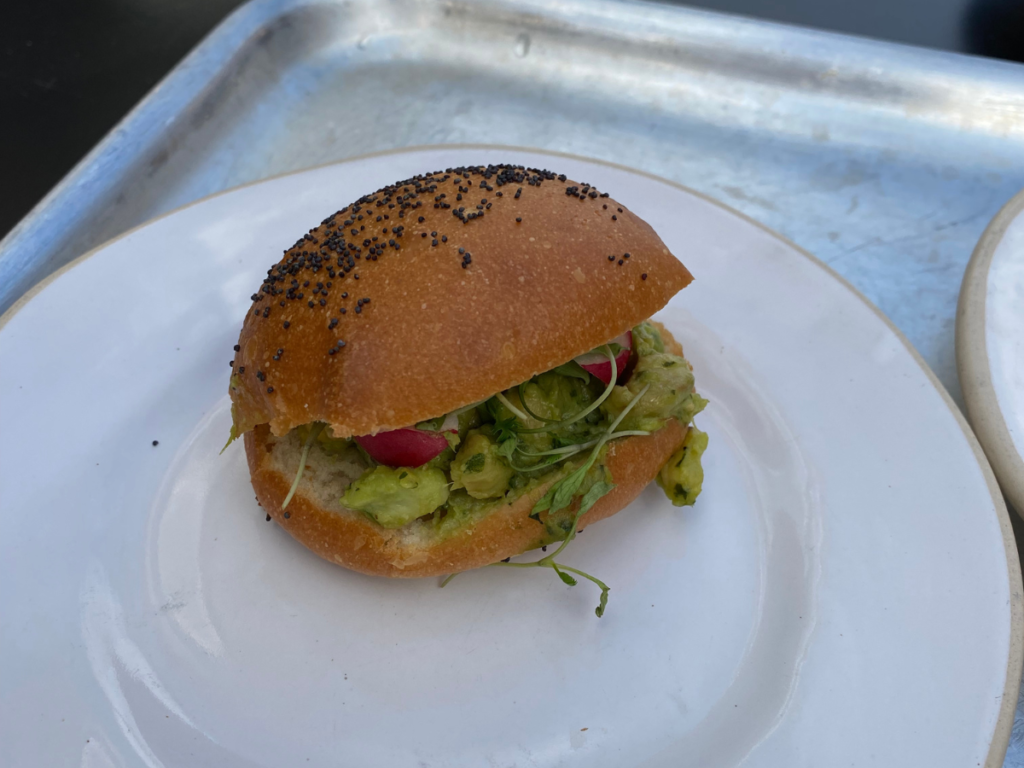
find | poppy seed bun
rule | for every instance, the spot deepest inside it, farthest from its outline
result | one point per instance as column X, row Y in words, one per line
column 317, row 519
column 544, row 270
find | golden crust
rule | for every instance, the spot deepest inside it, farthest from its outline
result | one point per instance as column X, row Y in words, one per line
column 438, row 335
column 353, row 541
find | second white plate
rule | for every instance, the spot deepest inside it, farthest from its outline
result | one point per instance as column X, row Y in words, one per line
column 990, row 345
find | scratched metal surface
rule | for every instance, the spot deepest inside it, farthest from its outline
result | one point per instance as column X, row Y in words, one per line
column 885, row 161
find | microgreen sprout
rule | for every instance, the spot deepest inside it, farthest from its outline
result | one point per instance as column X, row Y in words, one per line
column 582, row 446
column 596, row 491
column 526, row 406
column 465, row 408
column 314, row 433
column 508, row 404
column 561, row 494
column 505, row 430
column 540, row 465
column 581, row 414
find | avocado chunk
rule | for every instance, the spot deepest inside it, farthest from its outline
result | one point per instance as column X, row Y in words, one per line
column 479, row 468
column 396, row 497
column 647, row 340
column 554, row 396
column 670, row 395
column 682, row 476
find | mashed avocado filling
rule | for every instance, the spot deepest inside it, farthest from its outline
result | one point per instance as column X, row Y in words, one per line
column 554, row 427
column 394, row 497
column 682, row 476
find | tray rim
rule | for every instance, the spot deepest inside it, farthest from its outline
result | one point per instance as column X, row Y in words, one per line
column 972, row 360
column 1015, row 661
column 143, row 126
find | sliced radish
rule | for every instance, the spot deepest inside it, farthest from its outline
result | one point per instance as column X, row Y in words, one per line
column 596, row 362
column 407, row 447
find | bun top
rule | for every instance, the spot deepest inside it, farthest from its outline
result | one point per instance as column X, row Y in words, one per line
column 438, row 291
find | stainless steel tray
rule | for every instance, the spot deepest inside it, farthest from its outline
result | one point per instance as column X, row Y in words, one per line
column 885, row 161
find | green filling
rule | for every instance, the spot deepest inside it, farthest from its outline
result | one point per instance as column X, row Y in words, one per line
column 647, row 340
column 479, row 468
column 670, row 395
column 396, row 497
column 554, row 427
column 682, row 476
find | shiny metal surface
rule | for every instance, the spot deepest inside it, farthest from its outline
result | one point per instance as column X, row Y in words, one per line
column 885, row 161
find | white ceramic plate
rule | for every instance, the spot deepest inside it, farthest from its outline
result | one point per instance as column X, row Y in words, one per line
column 847, row 586
column 990, row 346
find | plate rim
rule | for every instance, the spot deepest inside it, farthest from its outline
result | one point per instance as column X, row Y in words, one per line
column 982, row 256
column 973, row 368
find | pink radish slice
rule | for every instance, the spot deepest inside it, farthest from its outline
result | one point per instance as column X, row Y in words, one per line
column 596, row 363
column 404, row 447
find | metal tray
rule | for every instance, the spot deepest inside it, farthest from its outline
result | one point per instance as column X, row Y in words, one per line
column 883, row 160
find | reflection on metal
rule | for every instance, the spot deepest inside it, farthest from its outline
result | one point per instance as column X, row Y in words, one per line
column 885, row 161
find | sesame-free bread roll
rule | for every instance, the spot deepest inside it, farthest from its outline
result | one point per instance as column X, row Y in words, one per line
column 436, row 292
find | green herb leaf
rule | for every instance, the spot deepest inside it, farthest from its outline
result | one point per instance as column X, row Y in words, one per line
column 567, row 488
column 231, row 438
column 543, row 504
column 597, row 490
column 565, row 576
column 505, row 429
column 507, row 448
column 604, row 602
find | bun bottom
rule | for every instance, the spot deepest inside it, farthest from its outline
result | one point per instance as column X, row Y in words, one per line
column 316, row 518
column 352, row 540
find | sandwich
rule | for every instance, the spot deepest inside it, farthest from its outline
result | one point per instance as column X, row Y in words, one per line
column 461, row 367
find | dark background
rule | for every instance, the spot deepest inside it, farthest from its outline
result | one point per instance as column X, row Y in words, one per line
column 70, row 69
